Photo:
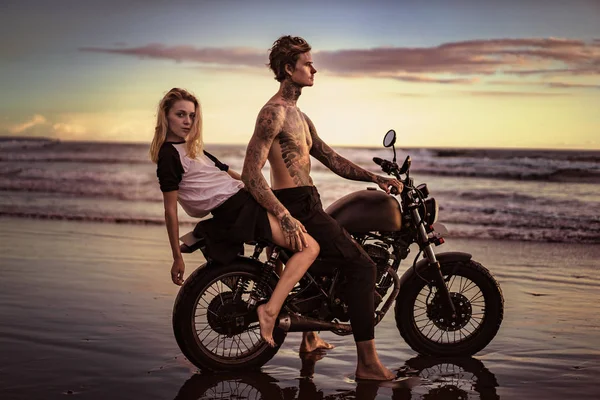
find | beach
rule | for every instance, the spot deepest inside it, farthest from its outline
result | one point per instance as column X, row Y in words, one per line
column 86, row 311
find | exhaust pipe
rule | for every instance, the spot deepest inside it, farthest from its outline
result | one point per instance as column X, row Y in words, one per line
column 298, row 323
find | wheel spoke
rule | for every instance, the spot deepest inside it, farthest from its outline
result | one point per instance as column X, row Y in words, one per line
column 242, row 342
column 421, row 301
column 210, row 290
column 441, row 335
column 432, row 326
column 420, row 315
column 452, row 281
column 207, row 333
column 469, row 285
column 207, row 303
column 219, row 283
column 216, row 337
column 468, row 331
column 460, row 283
column 476, row 298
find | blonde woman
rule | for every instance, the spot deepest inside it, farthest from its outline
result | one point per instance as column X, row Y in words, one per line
column 201, row 184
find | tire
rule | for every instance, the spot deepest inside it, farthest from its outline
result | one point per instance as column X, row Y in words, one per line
column 479, row 303
column 194, row 296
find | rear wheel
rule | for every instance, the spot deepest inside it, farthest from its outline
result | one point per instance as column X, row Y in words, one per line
column 212, row 324
column 478, row 301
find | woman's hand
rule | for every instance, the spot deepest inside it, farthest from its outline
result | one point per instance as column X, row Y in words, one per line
column 177, row 271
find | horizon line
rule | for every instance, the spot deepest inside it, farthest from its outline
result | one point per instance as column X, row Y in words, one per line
column 349, row 146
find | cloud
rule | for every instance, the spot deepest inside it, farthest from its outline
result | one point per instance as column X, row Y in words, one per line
column 499, row 93
column 240, row 56
column 123, row 125
column 69, row 130
column 554, row 72
column 476, row 57
column 572, row 85
column 406, row 94
column 36, row 120
column 39, row 125
column 427, row 79
column 463, row 62
column 554, row 85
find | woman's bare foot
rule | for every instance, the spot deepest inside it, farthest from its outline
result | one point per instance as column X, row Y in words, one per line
column 311, row 342
column 374, row 372
column 267, row 323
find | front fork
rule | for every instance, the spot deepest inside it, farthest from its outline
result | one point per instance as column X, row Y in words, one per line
column 434, row 264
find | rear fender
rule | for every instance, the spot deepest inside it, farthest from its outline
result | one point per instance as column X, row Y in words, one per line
column 210, row 265
column 451, row 256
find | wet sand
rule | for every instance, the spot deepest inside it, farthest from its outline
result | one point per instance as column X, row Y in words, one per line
column 85, row 310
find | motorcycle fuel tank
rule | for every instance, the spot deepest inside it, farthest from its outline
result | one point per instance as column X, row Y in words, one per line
column 367, row 210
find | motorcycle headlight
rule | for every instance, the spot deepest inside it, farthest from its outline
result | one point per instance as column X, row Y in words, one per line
column 431, row 211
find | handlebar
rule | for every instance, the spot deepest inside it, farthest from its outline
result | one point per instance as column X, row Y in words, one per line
column 386, row 166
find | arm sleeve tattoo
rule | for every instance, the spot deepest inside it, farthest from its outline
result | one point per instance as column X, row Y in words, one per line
column 268, row 125
column 336, row 163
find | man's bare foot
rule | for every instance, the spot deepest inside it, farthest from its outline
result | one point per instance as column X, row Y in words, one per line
column 311, row 342
column 374, row 372
column 267, row 323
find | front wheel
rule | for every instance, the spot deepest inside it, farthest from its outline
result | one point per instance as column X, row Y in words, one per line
column 479, row 304
column 212, row 324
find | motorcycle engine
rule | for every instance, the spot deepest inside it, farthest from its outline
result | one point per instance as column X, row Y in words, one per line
column 378, row 252
column 380, row 256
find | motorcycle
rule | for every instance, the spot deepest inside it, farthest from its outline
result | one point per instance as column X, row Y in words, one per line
column 446, row 304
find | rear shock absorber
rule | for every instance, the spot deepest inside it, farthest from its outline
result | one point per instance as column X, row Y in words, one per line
column 259, row 292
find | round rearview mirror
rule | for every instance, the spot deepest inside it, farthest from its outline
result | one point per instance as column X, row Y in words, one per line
column 390, row 138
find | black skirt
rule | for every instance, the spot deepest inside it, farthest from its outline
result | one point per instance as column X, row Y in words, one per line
column 238, row 220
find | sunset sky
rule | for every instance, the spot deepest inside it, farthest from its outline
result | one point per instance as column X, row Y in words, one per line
column 443, row 73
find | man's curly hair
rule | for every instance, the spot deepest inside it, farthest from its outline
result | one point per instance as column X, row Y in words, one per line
column 286, row 50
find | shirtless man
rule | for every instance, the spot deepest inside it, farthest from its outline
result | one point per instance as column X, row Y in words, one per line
column 286, row 137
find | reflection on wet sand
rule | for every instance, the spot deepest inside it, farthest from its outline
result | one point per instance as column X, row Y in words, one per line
column 420, row 378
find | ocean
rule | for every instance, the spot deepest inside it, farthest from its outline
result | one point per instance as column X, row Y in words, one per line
column 86, row 287
column 530, row 195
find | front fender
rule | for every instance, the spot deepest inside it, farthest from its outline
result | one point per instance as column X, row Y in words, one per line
column 451, row 256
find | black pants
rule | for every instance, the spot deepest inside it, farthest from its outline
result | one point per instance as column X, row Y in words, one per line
column 304, row 203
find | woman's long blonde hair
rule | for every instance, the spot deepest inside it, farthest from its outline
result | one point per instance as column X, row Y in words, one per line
column 193, row 142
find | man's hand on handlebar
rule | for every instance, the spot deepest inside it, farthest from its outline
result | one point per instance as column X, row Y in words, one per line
column 389, row 185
